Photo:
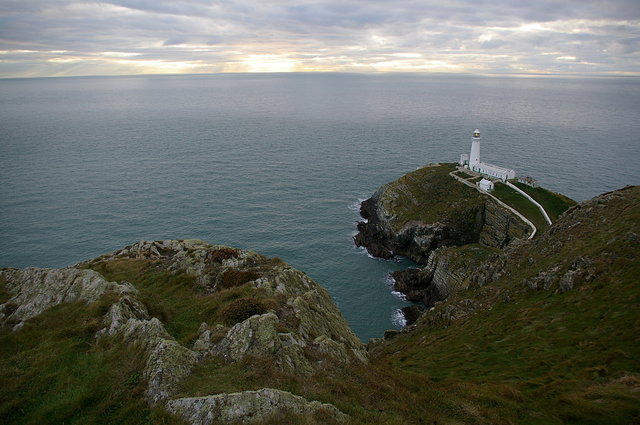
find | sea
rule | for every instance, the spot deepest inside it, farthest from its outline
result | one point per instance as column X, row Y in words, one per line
column 279, row 163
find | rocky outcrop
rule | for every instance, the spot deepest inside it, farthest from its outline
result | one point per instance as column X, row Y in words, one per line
column 581, row 270
column 167, row 362
column 448, row 270
column 33, row 290
column 500, row 227
column 588, row 238
column 298, row 326
column 414, row 239
column 304, row 320
column 249, row 406
column 259, row 336
column 428, row 209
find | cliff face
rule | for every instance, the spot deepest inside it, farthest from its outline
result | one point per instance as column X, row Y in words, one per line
column 424, row 216
column 448, row 270
column 428, row 209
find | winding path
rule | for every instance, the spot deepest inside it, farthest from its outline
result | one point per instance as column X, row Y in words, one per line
column 523, row 218
column 526, row 195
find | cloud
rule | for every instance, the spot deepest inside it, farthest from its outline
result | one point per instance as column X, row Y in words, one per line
column 68, row 37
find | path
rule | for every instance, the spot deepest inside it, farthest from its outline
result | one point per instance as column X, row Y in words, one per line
column 523, row 218
column 526, row 195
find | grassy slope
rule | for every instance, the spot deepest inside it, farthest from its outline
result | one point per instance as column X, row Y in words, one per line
column 430, row 186
column 547, row 357
column 553, row 203
column 53, row 372
column 434, row 187
column 520, row 204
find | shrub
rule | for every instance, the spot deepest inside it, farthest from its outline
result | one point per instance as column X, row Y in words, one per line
column 243, row 308
column 232, row 277
column 222, row 254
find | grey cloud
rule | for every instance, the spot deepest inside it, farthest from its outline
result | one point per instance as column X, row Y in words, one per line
column 471, row 34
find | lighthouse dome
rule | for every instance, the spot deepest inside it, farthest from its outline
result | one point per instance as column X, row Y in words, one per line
column 476, row 133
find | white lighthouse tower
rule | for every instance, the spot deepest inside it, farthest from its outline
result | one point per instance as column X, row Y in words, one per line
column 474, row 158
column 484, row 168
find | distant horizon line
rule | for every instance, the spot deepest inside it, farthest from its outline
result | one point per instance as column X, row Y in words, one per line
column 372, row 73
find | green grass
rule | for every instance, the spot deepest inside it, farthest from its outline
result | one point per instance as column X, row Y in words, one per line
column 547, row 357
column 520, row 204
column 429, row 194
column 548, row 354
column 553, row 203
column 543, row 358
column 52, row 372
column 178, row 302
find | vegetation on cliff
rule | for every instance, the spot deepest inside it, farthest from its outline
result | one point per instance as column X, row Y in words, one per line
column 547, row 333
column 428, row 209
column 543, row 332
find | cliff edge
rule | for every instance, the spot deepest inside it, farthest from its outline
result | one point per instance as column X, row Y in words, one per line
column 185, row 332
column 428, row 209
column 438, row 222
column 184, row 305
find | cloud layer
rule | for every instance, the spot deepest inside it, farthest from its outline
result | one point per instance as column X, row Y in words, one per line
column 66, row 37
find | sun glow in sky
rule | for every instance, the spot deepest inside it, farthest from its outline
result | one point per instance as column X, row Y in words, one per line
column 111, row 37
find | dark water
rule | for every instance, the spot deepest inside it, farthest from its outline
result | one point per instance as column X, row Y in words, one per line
column 276, row 163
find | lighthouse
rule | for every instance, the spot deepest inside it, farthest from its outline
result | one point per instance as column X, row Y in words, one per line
column 474, row 158
column 472, row 162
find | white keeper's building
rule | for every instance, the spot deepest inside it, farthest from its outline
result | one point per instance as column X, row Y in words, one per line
column 472, row 162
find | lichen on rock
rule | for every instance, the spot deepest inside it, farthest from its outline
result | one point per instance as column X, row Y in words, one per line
column 33, row 290
column 248, row 406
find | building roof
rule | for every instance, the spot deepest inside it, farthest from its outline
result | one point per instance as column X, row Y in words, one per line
column 496, row 168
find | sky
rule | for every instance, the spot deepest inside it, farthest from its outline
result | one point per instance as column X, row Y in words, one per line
column 40, row 38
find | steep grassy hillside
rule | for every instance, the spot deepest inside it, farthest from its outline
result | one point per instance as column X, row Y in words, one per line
column 521, row 204
column 524, row 354
column 428, row 186
column 53, row 372
column 546, row 333
column 553, row 203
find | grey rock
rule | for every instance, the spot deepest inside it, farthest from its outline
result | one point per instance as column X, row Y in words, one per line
column 258, row 336
column 307, row 312
column 247, row 407
column 33, row 290
column 208, row 336
column 168, row 363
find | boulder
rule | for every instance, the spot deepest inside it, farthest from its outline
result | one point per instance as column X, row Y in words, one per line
column 248, row 407
column 33, row 290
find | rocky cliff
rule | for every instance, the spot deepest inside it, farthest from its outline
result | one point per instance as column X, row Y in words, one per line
column 424, row 215
column 274, row 313
column 428, row 209
column 174, row 332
